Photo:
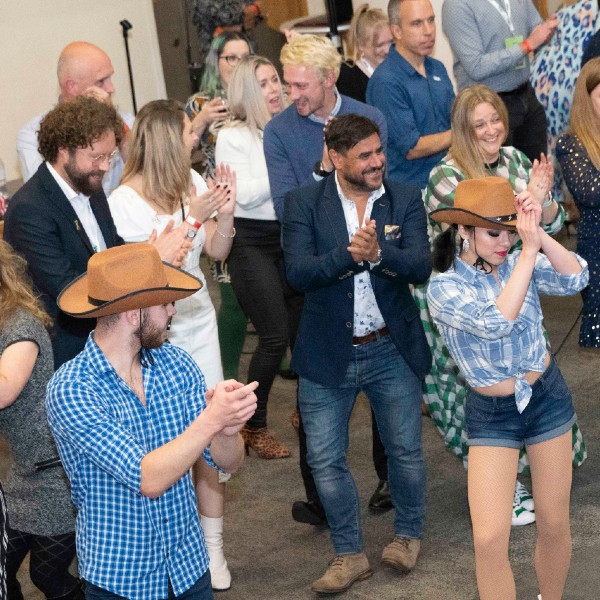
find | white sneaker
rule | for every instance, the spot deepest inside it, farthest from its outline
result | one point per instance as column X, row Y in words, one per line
column 521, row 516
column 524, row 497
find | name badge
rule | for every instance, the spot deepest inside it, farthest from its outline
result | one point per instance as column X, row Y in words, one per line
column 513, row 41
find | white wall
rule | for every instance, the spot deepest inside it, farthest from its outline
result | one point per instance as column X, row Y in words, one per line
column 442, row 48
column 33, row 32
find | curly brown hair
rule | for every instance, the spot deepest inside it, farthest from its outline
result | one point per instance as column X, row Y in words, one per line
column 16, row 288
column 77, row 123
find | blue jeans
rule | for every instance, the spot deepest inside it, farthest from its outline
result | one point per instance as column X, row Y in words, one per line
column 201, row 590
column 394, row 391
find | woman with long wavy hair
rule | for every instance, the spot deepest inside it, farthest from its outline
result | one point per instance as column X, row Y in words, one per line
column 158, row 185
column 41, row 515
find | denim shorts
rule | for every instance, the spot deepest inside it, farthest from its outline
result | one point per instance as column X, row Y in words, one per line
column 495, row 420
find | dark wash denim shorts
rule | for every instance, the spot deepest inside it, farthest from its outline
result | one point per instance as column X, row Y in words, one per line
column 495, row 420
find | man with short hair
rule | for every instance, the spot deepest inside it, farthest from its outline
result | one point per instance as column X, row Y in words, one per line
column 83, row 70
column 293, row 140
column 491, row 41
column 414, row 93
column 60, row 217
column 296, row 155
column 354, row 243
column 131, row 415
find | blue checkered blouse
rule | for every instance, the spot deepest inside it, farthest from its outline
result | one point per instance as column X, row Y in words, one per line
column 128, row 543
column 487, row 347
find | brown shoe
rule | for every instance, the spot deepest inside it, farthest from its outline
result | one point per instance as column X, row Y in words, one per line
column 402, row 553
column 264, row 443
column 342, row 572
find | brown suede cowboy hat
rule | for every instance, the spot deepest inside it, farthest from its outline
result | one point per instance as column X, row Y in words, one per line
column 125, row 278
column 488, row 202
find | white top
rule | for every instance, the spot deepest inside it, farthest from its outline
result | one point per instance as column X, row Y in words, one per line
column 243, row 152
column 135, row 219
column 367, row 316
column 194, row 327
column 31, row 159
column 82, row 208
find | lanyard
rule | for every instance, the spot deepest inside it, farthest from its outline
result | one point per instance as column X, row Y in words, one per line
column 503, row 7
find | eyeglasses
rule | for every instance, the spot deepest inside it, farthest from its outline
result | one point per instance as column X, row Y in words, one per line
column 100, row 158
column 232, row 59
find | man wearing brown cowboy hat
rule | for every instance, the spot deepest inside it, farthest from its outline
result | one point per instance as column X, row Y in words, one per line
column 131, row 415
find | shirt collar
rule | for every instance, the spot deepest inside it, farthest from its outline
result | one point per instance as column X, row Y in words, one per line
column 67, row 190
column 334, row 111
column 374, row 195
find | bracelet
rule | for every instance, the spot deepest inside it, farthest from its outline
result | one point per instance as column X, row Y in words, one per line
column 548, row 203
column 229, row 237
column 525, row 45
column 191, row 221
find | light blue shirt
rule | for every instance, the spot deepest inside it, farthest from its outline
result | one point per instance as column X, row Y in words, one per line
column 487, row 347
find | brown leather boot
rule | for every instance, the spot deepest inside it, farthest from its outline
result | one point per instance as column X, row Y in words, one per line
column 402, row 553
column 342, row 572
column 264, row 443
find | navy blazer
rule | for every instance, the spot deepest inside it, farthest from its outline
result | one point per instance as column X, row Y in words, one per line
column 42, row 226
column 315, row 241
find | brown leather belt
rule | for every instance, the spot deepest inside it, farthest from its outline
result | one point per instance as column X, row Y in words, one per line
column 370, row 337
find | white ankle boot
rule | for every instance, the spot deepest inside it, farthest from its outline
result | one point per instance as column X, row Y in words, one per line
column 213, row 534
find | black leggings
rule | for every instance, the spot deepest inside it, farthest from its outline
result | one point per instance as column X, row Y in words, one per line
column 48, row 563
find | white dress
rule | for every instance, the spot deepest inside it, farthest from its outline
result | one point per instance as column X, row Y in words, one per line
column 194, row 327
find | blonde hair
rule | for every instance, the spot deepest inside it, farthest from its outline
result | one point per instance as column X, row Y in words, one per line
column 313, row 51
column 246, row 102
column 15, row 288
column 584, row 122
column 465, row 149
column 158, row 154
column 364, row 28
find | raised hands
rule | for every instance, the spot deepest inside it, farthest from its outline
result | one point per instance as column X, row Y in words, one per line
column 364, row 245
column 529, row 215
column 230, row 404
column 225, row 177
column 172, row 244
column 541, row 178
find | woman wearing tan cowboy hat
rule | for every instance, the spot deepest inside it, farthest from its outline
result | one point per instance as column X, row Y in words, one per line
column 485, row 302
column 131, row 415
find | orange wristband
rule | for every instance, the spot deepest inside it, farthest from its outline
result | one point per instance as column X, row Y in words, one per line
column 526, row 46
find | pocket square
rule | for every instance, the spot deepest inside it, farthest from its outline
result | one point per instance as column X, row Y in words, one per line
column 392, row 232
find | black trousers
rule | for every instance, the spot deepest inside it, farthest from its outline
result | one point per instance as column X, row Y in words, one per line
column 526, row 122
column 258, row 280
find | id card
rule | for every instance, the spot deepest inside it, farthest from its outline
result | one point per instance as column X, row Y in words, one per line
column 513, row 41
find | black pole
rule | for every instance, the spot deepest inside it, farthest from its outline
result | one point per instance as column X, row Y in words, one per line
column 333, row 23
column 126, row 25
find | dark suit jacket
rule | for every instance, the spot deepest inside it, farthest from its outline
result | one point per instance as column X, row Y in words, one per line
column 42, row 226
column 315, row 241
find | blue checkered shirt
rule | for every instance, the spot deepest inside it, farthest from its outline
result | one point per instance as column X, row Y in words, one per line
column 128, row 543
column 487, row 347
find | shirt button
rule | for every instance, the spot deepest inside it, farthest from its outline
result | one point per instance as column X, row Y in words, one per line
column 165, row 521
column 348, row 324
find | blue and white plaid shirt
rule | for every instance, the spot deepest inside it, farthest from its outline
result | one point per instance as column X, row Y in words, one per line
column 487, row 347
column 128, row 543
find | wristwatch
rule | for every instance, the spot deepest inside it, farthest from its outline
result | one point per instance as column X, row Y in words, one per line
column 378, row 260
column 321, row 172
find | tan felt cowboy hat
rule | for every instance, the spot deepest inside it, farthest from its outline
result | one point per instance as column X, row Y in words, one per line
column 125, row 278
column 488, row 202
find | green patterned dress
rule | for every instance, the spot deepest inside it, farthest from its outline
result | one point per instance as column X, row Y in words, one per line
column 444, row 387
